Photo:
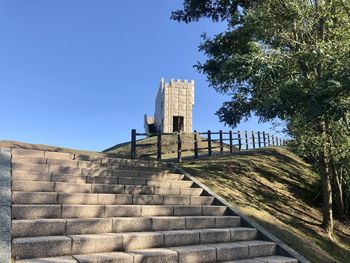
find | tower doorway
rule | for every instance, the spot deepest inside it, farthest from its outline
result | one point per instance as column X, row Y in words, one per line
column 178, row 123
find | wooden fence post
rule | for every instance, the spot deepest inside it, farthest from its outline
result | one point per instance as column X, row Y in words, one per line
column 209, row 143
column 268, row 139
column 133, row 144
column 231, row 145
column 246, row 140
column 276, row 140
column 221, row 142
column 195, row 144
column 273, row 140
column 259, row 139
column 239, row 140
column 264, row 138
column 179, row 157
column 159, row 147
column 253, row 139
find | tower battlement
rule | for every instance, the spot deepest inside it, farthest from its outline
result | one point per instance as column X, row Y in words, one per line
column 173, row 107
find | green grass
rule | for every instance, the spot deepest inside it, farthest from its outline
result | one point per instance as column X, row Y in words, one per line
column 276, row 189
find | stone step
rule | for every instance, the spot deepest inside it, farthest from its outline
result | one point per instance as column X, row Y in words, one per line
column 29, row 247
column 62, row 166
column 42, row 186
column 48, row 176
column 160, row 181
column 19, row 197
column 102, row 211
column 98, row 159
column 149, row 255
column 52, row 227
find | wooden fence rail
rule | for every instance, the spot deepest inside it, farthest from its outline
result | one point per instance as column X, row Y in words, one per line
column 230, row 141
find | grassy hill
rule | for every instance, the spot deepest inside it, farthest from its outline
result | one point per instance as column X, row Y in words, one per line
column 276, row 189
column 169, row 148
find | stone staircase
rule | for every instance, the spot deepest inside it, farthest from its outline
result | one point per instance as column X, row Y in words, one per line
column 78, row 208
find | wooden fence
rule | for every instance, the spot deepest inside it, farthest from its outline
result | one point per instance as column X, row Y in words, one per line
column 227, row 142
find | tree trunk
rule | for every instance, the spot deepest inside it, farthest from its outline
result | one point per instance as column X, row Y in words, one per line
column 327, row 222
column 338, row 190
column 326, row 173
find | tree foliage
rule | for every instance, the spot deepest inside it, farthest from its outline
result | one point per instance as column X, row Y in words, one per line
column 288, row 59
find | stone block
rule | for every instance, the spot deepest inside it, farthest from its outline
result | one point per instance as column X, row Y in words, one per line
column 187, row 210
column 59, row 155
column 166, row 191
column 82, row 211
column 28, row 153
column 259, row 248
column 214, row 235
column 243, row 234
column 68, row 178
column 113, row 257
column 32, row 186
column 168, row 223
column 83, row 244
column 89, row 164
column 141, row 240
column 277, row 259
column 89, row 226
column 35, row 211
column 125, row 173
column 196, row 254
column 150, row 210
column 36, row 247
column 122, row 210
column 191, row 191
column 132, row 181
column 105, row 188
column 5, row 246
column 72, row 187
column 148, row 200
column 202, row 200
column 131, row 224
column 28, row 160
column 181, row 183
column 64, row 259
column 159, row 183
column 34, row 198
column 77, row 198
column 30, row 167
column 5, row 219
column 38, row 227
column 96, row 172
column 230, row 251
column 176, row 200
column 63, row 162
column 181, row 238
column 114, row 199
column 5, row 195
column 64, row 169
column 139, row 190
column 102, row 180
column 214, row 210
column 30, row 176
column 155, row 255
column 227, row 221
column 5, row 178
column 200, row 222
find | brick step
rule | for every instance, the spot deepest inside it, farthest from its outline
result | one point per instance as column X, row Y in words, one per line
column 48, row 176
column 53, row 227
column 45, row 246
column 59, row 166
column 107, row 199
column 160, row 181
column 101, row 211
column 18, row 154
column 39, row 186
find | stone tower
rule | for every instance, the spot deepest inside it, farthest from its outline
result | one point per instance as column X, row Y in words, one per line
column 173, row 109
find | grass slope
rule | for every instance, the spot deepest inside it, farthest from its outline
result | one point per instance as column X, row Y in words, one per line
column 275, row 188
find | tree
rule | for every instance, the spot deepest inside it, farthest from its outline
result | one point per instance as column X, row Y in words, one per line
column 282, row 58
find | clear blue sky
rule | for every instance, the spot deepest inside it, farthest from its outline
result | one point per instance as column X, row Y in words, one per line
column 82, row 73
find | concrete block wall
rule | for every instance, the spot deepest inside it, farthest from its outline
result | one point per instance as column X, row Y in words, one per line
column 5, row 205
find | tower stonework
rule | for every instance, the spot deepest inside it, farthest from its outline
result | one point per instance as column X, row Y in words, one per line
column 173, row 108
